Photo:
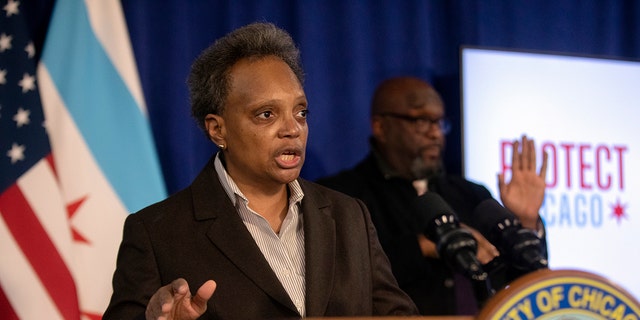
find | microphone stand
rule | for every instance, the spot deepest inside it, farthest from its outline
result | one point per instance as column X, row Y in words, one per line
column 455, row 245
column 482, row 288
column 459, row 248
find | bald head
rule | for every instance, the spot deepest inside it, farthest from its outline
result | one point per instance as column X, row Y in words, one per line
column 407, row 126
column 402, row 94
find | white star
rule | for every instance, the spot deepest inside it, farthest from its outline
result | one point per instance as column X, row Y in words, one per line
column 3, row 76
column 30, row 49
column 12, row 7
column 5, row 42
column 22, row 117
column 16, row 153
column 27, row 83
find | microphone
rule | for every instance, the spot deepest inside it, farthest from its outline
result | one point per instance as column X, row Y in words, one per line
column 520, row 246
column 455, row 245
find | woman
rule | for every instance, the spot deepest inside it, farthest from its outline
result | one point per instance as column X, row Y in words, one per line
column 270, row 244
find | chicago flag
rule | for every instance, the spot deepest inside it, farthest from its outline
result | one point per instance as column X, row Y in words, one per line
column 76, row 156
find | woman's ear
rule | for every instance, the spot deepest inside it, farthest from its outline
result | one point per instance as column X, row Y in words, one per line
column 215, row 129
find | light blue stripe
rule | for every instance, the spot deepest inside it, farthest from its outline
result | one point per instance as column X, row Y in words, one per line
column 102, row 107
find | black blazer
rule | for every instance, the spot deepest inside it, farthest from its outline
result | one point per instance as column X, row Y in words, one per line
column 197, row 234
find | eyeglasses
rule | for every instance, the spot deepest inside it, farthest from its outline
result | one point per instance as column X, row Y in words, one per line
column 421, row 124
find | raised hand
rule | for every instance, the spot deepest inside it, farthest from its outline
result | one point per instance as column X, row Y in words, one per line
column 524, row 193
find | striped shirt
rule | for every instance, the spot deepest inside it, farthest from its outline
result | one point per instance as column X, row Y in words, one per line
column 284, row 251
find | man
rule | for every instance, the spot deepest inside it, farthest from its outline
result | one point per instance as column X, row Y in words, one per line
column 408, row 137
column 256, row 240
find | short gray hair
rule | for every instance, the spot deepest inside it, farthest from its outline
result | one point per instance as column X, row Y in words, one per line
column 209, row 78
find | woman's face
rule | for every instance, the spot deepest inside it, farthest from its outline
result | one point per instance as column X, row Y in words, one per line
column 264, row 123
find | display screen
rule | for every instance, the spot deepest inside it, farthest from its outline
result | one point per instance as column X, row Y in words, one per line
column 585, row 113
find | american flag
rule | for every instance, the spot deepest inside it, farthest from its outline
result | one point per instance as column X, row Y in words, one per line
column 28, row 183
column 69, row 166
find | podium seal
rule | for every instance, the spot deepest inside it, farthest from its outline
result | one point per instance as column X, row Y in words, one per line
column 561, row 295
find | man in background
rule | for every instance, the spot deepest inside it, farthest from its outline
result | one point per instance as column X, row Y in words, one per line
column 408, row 138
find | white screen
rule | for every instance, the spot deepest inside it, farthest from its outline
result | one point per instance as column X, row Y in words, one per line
column 585, row 113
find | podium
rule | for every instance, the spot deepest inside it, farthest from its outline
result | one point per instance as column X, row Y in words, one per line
column 561, row 294
column 397, row 318
column 550, row 295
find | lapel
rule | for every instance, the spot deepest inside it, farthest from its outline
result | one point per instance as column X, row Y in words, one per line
column 320, row 242
column 230, row 235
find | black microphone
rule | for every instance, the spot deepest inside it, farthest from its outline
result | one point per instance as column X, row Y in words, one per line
column 519, row 246
column 455, row 245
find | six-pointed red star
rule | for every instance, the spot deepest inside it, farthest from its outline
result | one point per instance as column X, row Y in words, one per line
column 72, row 208
column 618, row 211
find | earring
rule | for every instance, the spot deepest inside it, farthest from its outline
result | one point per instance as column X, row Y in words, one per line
column 221, row 146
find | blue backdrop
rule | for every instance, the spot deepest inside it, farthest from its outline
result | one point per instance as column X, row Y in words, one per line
column 347, row 48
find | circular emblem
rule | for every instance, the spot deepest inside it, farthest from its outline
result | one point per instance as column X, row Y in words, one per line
column 561, row 295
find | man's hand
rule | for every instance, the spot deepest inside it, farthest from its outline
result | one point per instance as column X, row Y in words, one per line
column 486, row 251
column 427, row 247
column 524, row 194
column 174, row 301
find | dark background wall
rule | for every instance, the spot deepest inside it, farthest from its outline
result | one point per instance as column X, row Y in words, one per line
column 347, row 48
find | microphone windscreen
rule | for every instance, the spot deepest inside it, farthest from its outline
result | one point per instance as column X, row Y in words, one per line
column 430, row 206
column 488, row 214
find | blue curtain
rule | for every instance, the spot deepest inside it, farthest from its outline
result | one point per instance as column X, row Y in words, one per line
column 347, row 48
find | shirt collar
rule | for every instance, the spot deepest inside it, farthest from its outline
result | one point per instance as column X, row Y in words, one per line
column 233, row 192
